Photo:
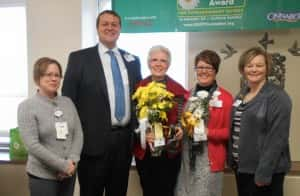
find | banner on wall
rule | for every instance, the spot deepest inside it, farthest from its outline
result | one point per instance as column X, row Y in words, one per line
column 206, row 15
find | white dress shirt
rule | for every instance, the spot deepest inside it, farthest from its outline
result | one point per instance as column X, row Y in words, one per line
column 105, row 59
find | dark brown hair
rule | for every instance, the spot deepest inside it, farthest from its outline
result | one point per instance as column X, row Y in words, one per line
column 111, row 12
column 209, row 57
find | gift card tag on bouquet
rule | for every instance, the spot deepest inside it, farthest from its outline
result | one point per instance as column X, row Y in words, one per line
column 159, row 136
column 199, row 132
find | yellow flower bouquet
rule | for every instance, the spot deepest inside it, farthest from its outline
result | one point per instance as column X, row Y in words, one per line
column 153, row 103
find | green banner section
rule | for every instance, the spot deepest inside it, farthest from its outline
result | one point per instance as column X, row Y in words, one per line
column 206, row 15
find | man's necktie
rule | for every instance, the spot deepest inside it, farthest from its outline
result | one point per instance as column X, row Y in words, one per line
column 118, row 86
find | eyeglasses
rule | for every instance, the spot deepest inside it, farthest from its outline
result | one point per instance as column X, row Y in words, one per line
column 51, row 75
column 202, row 68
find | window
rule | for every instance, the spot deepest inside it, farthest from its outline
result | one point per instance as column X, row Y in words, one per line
column 13, row 62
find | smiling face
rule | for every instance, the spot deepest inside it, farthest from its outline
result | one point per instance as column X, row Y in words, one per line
column 255, row 71
column 206, row 74
column 108, row 28
column 158, row 63
column 49, row 82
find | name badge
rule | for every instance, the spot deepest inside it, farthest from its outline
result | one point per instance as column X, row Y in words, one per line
column 237, row 103
column 61, row 130
column 217, row 103
column 58, row 113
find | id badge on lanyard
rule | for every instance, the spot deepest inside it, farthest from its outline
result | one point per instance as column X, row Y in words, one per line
column 61, row 127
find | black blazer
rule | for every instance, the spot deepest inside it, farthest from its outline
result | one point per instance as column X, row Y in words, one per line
column 84, row 82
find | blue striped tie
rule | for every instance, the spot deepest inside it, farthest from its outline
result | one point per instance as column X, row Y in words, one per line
column 118, row 86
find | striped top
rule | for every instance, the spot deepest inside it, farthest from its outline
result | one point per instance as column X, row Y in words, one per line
column 236, row 124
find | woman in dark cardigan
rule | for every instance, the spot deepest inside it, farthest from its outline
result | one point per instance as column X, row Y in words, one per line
column 259, row 145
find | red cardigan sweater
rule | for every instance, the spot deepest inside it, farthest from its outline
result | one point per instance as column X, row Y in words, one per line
column 218, row 131
column 178, row 91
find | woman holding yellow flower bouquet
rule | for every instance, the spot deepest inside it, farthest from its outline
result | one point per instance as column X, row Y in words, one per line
column 157, row 150
column 206, row 121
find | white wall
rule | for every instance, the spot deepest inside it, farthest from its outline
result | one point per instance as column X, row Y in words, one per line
column 54, row 29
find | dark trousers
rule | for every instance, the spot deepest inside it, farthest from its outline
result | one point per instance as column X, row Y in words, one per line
column 158, row 175
column 45, row 187
column 247, row 187
column 108, row 172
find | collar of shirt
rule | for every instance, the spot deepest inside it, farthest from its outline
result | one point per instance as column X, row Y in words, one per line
column 102, row 50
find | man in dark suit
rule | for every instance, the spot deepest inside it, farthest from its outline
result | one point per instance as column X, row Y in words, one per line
column 90, row 82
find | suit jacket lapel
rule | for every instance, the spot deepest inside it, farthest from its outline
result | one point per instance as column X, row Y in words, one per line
column 100, row 72
column 129, row 72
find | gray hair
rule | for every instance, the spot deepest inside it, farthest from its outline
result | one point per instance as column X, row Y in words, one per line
column 159, row 48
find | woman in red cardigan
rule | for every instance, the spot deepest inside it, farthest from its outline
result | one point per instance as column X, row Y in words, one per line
column 158, row 174
column 205, row 141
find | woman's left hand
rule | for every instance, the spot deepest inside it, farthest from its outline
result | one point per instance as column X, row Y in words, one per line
column 71, row 168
